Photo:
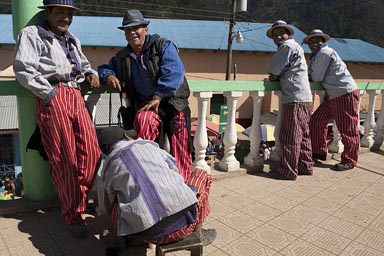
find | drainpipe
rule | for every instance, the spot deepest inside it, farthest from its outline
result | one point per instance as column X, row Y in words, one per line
column 36, row 172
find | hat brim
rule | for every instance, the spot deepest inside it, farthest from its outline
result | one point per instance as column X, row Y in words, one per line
column 288, row 28
column 325, row 36
column 58, row 5
column 134, row 24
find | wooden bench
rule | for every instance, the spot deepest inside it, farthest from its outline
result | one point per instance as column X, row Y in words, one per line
column 191, row 243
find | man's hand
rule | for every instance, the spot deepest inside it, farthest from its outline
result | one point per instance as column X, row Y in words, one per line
column 152, row 104
column 113, row 83
column 273, row 78
column 93, row 81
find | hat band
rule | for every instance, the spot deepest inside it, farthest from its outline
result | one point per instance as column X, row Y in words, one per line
column 279, row 24
column 317, row 33
column 127, row 22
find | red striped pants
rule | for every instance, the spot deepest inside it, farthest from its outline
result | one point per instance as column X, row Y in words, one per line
column 202, row 181
column 147, row 125
column 344, row 111
column 296, row 151
column 70, row 141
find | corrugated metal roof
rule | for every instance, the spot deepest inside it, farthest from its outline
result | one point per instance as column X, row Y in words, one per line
column 198, row 35
column 8, row 113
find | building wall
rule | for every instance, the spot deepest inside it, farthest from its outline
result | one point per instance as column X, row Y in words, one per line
column 206, row 65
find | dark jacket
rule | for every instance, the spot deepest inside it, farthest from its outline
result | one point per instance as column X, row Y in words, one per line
column 152, row 57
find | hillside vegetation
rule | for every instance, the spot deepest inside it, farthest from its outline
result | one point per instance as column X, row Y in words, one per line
column 360, row 19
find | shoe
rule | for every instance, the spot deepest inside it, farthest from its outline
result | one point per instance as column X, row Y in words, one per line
column 208, row 236
column 342, row 167
column 79, row 230
column 306, row 173
column 278, row 176
column 322, row 157
column 111, row 252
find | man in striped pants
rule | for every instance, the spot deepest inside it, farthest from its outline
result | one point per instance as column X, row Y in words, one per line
column 154, row 81
column 341, row 103
column 49, row 62
column 289, row 67
column 148, row 198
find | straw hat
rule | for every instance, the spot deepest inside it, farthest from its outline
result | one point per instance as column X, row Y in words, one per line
column 59, row 3
column 315, row 33
column 280, row 24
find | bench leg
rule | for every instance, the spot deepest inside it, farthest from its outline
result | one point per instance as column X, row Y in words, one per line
column 159, row 252
column 197, row 251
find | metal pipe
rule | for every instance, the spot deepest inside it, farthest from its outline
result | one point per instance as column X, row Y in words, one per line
column 36, row 172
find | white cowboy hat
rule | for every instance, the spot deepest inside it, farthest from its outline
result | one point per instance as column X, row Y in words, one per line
column 316, row 33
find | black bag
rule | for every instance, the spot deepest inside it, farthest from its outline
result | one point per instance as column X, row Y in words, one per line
column 125, row 114
column 35, row 143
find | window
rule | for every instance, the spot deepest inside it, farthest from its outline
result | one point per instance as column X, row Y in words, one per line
column 6, row 154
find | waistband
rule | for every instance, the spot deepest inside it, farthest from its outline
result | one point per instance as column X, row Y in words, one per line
column 71, row 84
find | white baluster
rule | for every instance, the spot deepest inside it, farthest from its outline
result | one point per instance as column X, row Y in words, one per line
column 275, row 155
column 336, row 146
column 367, row 140
column 379, row 137
column 200, row 141
column 229, row 162
column 253, row 158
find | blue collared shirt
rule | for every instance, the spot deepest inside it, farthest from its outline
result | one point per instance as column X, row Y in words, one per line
column 289, row 64
column 327, row 67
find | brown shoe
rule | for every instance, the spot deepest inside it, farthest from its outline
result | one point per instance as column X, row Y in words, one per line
column 342, row 167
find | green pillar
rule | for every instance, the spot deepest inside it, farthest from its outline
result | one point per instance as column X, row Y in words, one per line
column 36, row 172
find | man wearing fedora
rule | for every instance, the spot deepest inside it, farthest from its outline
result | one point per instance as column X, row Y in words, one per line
column 155, row 84
column 340, row 104
column 289, row 67
column 49, row 62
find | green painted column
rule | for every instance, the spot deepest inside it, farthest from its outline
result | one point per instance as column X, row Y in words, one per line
column 36, row 172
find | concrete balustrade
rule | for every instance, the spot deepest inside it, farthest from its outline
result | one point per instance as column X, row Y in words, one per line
column 202, row 90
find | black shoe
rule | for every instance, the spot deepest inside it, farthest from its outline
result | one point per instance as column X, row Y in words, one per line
column 322, row 157
column 306, row 173
column 278, row 176
column 342, row 167
column 208, row 236
column 79, row 230
column 111, row 252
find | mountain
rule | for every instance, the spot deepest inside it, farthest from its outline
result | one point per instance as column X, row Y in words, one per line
column 360, row 19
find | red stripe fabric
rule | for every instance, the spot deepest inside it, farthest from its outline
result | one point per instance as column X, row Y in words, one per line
column 296, row 150
column 69, row 139
column 147, row 124
column 202, row 181
column 344, row 111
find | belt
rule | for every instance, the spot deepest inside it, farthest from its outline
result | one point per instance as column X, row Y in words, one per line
column 71, row 84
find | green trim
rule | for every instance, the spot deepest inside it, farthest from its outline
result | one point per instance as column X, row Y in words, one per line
column 12, row 87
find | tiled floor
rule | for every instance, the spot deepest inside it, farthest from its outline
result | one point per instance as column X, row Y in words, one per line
column 329, row 213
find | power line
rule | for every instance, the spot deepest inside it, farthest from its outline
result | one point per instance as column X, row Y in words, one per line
column 148, row 7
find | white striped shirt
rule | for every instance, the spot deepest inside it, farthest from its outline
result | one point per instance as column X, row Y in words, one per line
column 41, row 59
column 146, row 183
column 328, row 68
column 289, row 64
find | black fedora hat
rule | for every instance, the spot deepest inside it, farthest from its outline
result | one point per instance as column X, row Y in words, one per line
column 108, row 136
column 133, row 18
